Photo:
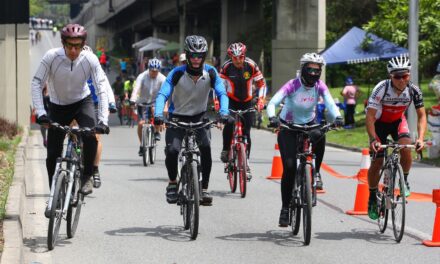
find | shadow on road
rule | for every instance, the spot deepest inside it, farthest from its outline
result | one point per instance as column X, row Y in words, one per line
column 226, row 194
column 359, row 234
column 278, row 237
column 39, row 244
column 171, row 233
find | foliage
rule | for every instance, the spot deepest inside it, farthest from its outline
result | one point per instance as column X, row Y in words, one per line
column 36, row 7
column 7, row 129
column 391, row 23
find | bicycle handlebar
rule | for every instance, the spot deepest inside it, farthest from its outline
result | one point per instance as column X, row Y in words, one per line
column 307, row 128
column 190, row 125
column 241, row 112
column 146, row 104
column 74, row 130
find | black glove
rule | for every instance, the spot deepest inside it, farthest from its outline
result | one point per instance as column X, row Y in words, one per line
column 273, row 122
column 158, row 121
column 224, row 119
column 102, row 128
column 112, row 108
column 339, row 121
column 43, row 120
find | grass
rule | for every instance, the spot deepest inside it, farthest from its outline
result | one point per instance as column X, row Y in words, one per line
column 7, row 154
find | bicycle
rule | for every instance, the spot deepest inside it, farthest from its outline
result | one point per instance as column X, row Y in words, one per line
column 189, row 177
column 391, row 194
column 237, row 159
column 304, row 188
column 148, row 140
column 65, row 197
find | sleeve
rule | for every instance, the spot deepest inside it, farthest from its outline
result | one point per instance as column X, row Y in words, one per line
column 278, row 98
column 38, row 82
column 110, row 94
column 417, row 97
column 99, row 79
column 137, row 87
column 259, row 82
column 164, row 93
column 330, row 104
column 375, row 100
column 220, row 92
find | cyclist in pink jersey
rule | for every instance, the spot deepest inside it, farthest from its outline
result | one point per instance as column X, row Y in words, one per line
column 386, row 116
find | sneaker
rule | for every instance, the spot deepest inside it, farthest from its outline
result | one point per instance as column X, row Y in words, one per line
column 157, row 136
column 141, row 151
column 206, row 198
column 284, row 217
column 96, row 179
column 47, row 211
column 372, row 208
column 248, row 174
column 407, row 189
column 87, row 187
column 171, row 193
column 318, row 181
column 224, row 156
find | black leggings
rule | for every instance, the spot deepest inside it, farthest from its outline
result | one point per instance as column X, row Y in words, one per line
column 287, row 142
column 173, row 141
column 84, row 113
column 349, row 114
column 246, row 121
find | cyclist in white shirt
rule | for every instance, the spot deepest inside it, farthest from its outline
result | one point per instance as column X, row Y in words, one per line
column 67, row 70
column 146, row 87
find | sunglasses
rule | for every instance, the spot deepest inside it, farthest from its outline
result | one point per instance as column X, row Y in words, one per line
column 70, row 45
column 405, row 77
column 313, row 71
column 197, row 55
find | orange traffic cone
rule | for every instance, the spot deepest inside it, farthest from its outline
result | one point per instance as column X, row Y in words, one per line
column 277, row 165
column 362, row 193
column 435, row 242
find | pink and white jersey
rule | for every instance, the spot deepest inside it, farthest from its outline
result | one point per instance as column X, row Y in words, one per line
column 390, row 106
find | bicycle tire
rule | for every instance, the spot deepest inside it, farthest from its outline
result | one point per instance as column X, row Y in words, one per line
column 145, row 143
column 382, row 221
column 74, row 209
column 56, row 214
column 306, row 190
column 242, row 168
column 399, row 199
column 194, row 199
column 295, row 208
column 232, row 170
column 183, row 194
column 152, row 146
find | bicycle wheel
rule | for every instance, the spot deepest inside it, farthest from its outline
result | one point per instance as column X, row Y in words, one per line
column 183, row 195
column 306, row 193
column 242, row 168
column 194, row 200
column 295, row 217
column 382, row 221
column 232, row 170
column 74, row 209
column 398, row 203
column 152, row 146
column 56, row 212
column 145, row 144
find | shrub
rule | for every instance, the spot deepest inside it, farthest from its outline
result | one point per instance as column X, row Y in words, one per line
column 8, row 129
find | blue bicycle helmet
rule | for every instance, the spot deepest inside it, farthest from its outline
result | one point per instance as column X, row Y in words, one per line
column 154, row 64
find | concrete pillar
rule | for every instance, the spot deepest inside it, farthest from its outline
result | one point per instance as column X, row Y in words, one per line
column 14, row 73
column 224, row 31
column 299, row 28
column 182, row 26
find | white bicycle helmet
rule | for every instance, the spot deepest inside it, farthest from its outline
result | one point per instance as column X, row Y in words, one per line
column 154, row 64
column 312, row 58
column 399, row 63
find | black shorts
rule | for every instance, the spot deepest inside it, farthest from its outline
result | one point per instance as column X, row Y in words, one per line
column 397, row 130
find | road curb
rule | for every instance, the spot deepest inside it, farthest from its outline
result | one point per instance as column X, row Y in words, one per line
column 13, row 222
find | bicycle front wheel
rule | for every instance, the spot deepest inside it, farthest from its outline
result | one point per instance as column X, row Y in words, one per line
column 183, row 197
column 232, row 170
column 56, row 212
column 194, row 200
column 382, row 221
column 398, row 203
column 145, row 144
column 152, row 146
column 306, row 196
column 74, row 209
column 242, row 168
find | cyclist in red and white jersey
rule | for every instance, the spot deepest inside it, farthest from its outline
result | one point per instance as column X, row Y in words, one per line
column 386, row 116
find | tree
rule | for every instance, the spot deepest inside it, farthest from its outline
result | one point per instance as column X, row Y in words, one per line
column 391, row 22
column 36, row 7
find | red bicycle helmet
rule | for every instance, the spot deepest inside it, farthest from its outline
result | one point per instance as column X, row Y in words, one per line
column 237, row 49
column 73, row 31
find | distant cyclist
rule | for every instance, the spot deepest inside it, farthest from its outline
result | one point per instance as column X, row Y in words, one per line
column 187, row 89
column 300, row 95
column 386, row 116
column 67, row 70
column 240, row 72
column 145, row 90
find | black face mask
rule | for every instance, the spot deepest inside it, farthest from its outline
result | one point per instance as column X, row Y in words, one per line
column 194, row 71
column 309, row 79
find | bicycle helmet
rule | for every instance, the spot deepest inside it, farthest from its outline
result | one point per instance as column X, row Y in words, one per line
column 195, row 45
column 154, row 64
column 399, row 63
column 312, row 58
column 73, row 31
column 237, row 50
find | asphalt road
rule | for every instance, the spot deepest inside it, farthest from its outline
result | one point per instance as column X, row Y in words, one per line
column 128, row 220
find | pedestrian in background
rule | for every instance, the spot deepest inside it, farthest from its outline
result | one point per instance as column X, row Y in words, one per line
column 351, row 94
